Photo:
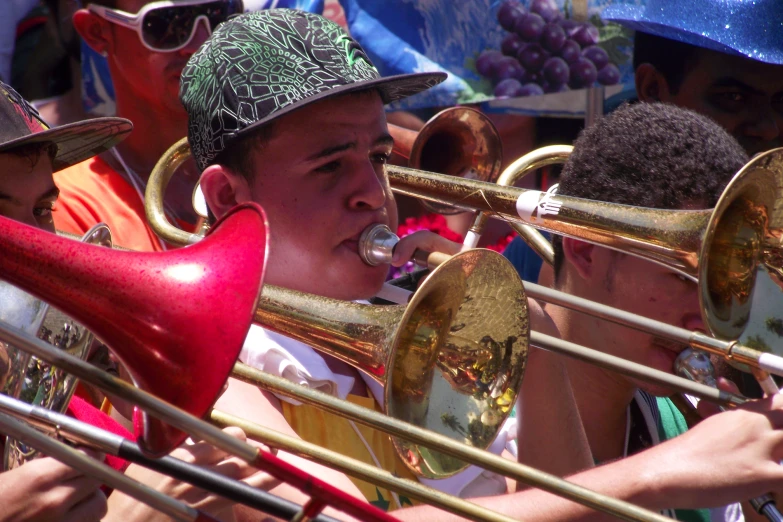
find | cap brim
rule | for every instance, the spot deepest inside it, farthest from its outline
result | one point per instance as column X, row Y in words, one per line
column 79, row 141
column 391, row 88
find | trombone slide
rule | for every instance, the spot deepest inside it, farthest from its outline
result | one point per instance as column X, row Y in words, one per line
column 83, row 434
column 481, row 458
column 642, row 232
column 89, row 466
column 359, row 469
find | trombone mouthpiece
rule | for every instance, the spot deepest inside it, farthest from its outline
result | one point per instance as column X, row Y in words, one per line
column 695, row 366
column 376, row 244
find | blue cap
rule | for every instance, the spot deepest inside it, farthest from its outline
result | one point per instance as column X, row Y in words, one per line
column 748, row 28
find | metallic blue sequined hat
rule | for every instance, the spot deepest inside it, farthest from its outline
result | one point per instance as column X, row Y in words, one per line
column 748, row 28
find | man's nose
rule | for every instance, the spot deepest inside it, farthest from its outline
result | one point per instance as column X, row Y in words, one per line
column 370, row 190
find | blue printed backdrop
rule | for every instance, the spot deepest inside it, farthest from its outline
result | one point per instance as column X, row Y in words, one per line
column 450, row 35
column 403, row 36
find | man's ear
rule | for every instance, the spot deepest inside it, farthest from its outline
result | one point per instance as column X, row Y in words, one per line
column 651, row 85
column 579, row 255
column 94, row 30
column 223, row 189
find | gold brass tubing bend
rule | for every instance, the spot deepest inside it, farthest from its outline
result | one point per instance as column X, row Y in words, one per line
column 156, row 189
column 530, row 162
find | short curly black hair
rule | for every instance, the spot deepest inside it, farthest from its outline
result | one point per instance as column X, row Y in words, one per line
column 650, row 155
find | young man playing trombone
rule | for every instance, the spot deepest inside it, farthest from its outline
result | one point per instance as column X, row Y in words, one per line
column 699, row 59
column 286, row 110
column 632, row 157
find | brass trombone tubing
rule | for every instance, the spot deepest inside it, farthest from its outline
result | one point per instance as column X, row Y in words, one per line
column 671, row 245
column 530, row 162
column 481, row 458
column 83, row 434
column 376, row 420
column 89, row 466
column 730, row 350
column 359, row 469
column 155, row 191
column 316, row 488
column 636, row 370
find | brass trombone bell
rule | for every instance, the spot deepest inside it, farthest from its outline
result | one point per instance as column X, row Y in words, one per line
column 458, row 141
column 733, row 251
column 451, row 360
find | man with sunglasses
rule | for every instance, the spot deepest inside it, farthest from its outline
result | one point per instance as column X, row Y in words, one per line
column 146, row 45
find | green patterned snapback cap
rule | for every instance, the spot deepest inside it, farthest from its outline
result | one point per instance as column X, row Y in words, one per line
column 261, row 65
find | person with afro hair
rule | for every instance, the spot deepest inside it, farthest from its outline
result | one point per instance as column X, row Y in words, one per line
column 647, row 155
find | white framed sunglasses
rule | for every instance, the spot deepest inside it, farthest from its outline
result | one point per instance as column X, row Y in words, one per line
column 168, row 26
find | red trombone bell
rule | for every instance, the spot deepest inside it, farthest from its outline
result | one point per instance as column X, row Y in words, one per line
column 177, row 319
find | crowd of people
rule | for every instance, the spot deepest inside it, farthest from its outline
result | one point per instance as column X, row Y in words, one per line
column 285, row 109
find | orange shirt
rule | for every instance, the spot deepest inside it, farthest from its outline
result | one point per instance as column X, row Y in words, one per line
column 92, row 192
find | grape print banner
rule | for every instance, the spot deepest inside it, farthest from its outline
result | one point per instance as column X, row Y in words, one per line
column 527, row 56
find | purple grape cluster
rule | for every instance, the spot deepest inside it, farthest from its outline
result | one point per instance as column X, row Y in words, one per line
column 544, row 53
